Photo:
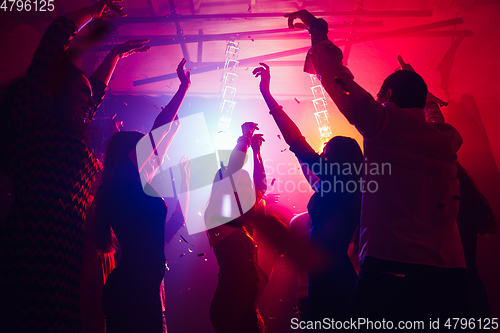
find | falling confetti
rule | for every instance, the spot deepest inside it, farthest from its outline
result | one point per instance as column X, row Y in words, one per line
column 190, row 251
column 272, row 181
column 282, row 150
column 296, row 100
column 182, row 255
column 202, row 254
column 279, row 136
column 184, row 239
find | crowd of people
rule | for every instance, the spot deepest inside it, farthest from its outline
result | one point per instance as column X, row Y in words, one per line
column 416, row 235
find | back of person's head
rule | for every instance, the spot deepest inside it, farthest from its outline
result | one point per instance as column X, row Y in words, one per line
column 408, row 88
column 343, row 149
column 117, row 167
column 117, row 163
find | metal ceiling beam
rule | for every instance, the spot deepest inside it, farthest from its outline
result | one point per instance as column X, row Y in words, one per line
column 208, row 17
column 162, row 40
column 303, row 50
column 180, row 33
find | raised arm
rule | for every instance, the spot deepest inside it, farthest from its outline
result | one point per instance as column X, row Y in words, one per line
column 97, row 11
column 100, row 79
column 259, row 173
column 168, row 113
column 311, row 178
column 105, row 70
column 38, row 80
column 288, row 129
column 155, row 142
column 239, row 153
column 325, row 59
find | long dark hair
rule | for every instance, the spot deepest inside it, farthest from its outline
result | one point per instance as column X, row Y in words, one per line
column 117, row 167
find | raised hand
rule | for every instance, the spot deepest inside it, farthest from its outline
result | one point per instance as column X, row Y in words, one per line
column 304, row 16
column 248, row 128
column 403, row 66
column 101, row 8
column 265, row 76
column 257, row 140
column 184, row 76
column 131, row 47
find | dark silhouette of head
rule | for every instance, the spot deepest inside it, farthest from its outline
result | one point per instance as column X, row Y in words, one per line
column 407, row 90
column 118, row 167
column 117, row 163
column 343, row 150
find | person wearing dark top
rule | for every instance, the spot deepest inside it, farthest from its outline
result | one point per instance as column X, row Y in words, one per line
column 129, row 210
column 229, row 223
column 42, row 238
column 334, row 208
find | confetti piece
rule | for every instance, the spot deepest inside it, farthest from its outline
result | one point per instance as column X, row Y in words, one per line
column 125, row 104
column 283, row 150
column 296, row 100
column 206, row 259
column 202, row 254
column 272, row 181
column 182, row 255
column 184, row 239
column 279, row 136
column 190, row 251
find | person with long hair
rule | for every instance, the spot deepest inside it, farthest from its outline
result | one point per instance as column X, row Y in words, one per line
column 126, row 206
column 52, row 169
column 412, row 261
column 334, row 209
column 228, row 218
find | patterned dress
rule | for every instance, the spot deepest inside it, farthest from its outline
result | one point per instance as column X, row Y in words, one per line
column 42, row 238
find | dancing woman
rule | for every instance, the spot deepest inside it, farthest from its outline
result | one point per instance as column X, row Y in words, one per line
column 128, row 207
column 42, row 238
column 334, row 210
column 229, row 216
